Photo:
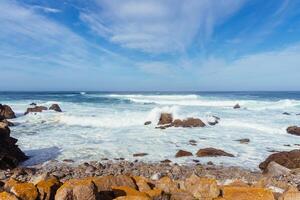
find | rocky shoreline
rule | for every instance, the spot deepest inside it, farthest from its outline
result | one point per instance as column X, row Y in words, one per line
column 279, row 177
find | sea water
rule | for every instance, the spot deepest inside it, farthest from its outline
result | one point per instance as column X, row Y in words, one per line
column 97, row 125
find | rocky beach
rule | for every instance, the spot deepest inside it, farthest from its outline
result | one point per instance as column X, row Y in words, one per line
column 276, row 177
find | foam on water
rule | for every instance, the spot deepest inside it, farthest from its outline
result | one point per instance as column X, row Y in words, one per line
column 89, row 129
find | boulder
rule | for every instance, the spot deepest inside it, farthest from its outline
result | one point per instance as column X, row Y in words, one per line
column 182, row 153
column 147, row 123
column 55, row 107
column 7, row 196
column 8, row 123
column 10, row 154
column 105, row 183
column 247, row 193
column 288, row 159
column 167, row 185
column 212, row 152
column 35, row 109
column 25, row 191
column 290, row 194
column 237, row 106
column 189, row 122
column 47, row 188
column 294, row 130
column 165, row 118
column 274, row 169
column 6, row 112
column 213, row 120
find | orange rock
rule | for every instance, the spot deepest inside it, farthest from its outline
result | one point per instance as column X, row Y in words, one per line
column 47, row 188
column 167, row 185
column 291, row 194
column 105, row 183
column 127, row 191
column 7, row 196
column 237, row 183
column 154, row 193
column 25, row 191
column 10, row 183
column 132, row 198
column 83, row 189
column 142, row 183
column 247, row 193
column 202, row 188
column 183, row 195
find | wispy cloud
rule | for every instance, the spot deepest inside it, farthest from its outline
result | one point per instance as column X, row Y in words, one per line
column 46, row 9
column 157, row 26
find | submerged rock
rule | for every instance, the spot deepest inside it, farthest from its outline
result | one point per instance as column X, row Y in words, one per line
column 6, row 112
column 147, row 123
column 140, row 154
column 237, row 106
column 243, row 141
column 212, row 152
column 55, row 107
column 35, row 109
column 10, row 154
column 288, row 159
column 294, row 130
column 165, row 118
column 213, row 120
column 183, row 153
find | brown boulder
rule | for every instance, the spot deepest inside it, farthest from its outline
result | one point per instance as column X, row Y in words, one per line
column 189, row 122
column 35, row 109
column 182, row 153
column 212, row 152
column 6, row 112
column 288, row 159
column 294, row 130
column 55, row 107
column 247, row 193
column 47, row 188
column 165, row 118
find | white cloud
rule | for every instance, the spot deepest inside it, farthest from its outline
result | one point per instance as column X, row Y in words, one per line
column 158, row 26
column 46, row 9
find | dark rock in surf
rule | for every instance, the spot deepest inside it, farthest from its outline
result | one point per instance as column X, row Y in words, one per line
column 35, row 109
column 288, row 159
column 213, row 120
column 10, row 154
column 55, row 107
column 165, row 118
column 147, row 123
column 237, row 106
column 33, row 104
column 183, row 153
column 140, row 154
column 212, row 152
column 6, row 112
column 286, row 113
column 188, row 123
column 294, row 130
column 8, row 123
column 243, row 141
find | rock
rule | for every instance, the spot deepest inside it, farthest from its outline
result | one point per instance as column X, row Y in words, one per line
column 55, row 107
column 47, row 188
column 155, row 176
column 213, row 120
column 166, row 161
column 140, row 154
column 183, row 153
column 147, row 123
column 8, row 123
column 127, row 191
column 247, row 193
column 237, row 106
column 193, row 142
column 165, row 118
column 182, row 195
column 142, row 183
column 274, row 169
column 83, row 189
column 10, row 154
column 286, row 113
column 243, row 141
column 294, row 130
column 132, row 197
column 6, row 112
column 202, row 188
column 212, row 152
column 189, row 122
column 288, row 159
column 35, row 109
column 167, row 185
column 7, row 196
column 105, row 183
column 25, row 191
column 33, row 104
column 291, row 194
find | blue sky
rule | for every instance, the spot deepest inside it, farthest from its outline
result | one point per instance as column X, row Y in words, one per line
column 125, row 45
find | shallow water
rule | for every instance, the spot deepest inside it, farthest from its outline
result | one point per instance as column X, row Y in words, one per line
column 110, row 125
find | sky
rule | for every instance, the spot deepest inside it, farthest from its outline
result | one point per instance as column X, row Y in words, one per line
column 149, row 45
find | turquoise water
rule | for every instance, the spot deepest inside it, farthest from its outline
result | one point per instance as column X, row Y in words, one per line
column 110, row 125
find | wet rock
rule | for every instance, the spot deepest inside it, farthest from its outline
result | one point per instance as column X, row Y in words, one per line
column 286, row 113
column 165, row 118
column 140, row 154
column 55, row 107
column 35, row 109
column 147, row 123
column 288, row 159
column 8, row 123
column 294, row 130
column 212, row 152
column 10, row 154
column 166, row 161
column 213, row 120
column 193, row 142
column 243, row 141
column 187, row 123
column 274, row 169
column 237, row 106
column 202, row 188
column 33, row 104
column 6, row 112
column 47, row 188
column 246, row 193
column 183, row 153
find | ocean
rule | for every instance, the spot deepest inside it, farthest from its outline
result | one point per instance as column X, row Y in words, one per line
column 97, row 125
